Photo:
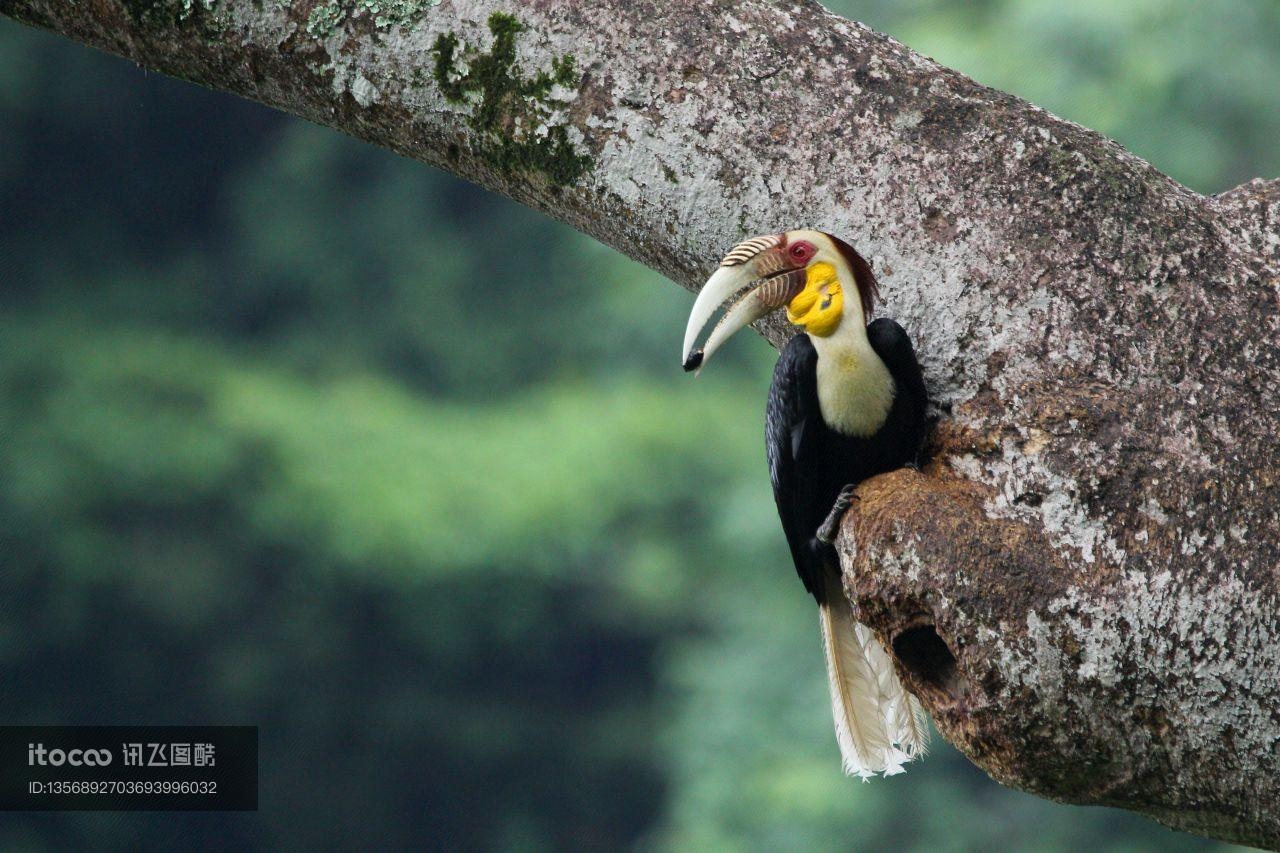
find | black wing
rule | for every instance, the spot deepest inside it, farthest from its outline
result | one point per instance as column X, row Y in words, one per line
column 792, row 421
column 891, row 343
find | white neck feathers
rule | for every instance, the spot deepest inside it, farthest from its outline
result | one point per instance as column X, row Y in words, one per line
column 855, row 389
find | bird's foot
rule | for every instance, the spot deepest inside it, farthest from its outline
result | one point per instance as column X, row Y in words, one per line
column 831, row 527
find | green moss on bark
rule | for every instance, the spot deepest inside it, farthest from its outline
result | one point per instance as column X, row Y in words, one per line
column 513, row 116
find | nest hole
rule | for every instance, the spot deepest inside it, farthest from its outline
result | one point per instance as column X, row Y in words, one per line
column 926, row 657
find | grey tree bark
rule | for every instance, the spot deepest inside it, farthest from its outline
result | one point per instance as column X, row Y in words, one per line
column 1082, row 585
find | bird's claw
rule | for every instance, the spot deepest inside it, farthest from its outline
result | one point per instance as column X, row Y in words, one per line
column 827, row 532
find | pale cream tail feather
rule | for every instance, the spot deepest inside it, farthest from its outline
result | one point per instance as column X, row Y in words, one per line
column 874, row 715
column 908, row 723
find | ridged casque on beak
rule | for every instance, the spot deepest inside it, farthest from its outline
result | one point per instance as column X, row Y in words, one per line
column 760, row 270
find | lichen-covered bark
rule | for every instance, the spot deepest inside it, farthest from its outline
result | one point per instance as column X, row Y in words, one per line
column 1083, row 584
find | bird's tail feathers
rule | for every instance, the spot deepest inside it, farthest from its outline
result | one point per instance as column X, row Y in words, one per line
column 906, row 719
column 879, row 725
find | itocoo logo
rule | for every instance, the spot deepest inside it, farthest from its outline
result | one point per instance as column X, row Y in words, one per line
column 37, row 754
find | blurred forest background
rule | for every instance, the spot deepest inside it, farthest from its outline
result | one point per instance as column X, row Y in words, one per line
column 269, row 455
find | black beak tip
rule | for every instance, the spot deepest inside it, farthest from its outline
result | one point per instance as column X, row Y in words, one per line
column 693, row 362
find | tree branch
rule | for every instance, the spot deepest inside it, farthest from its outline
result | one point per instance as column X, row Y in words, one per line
column 1082, row 586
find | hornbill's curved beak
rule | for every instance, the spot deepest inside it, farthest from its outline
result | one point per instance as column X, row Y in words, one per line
column 762, row 272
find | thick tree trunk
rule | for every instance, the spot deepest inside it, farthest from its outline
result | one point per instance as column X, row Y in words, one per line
column 1082, row 585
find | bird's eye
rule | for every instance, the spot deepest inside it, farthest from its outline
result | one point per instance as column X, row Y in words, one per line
column 801, row 251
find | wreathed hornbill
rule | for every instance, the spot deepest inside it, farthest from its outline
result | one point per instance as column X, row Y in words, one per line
column 847, row 403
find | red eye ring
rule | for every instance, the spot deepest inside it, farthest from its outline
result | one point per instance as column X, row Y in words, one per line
column 801, row 251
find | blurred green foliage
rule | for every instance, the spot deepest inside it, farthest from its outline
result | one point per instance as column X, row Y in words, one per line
column 297, row 433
